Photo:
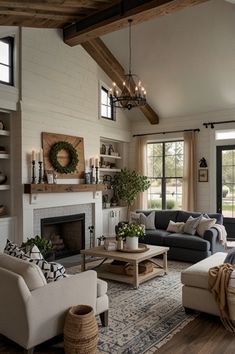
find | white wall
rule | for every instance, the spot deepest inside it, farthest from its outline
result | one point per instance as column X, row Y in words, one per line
column 206, row 146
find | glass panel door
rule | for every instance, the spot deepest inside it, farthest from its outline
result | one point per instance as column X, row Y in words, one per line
column 226, row 186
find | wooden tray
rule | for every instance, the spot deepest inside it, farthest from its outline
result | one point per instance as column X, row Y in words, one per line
column 141, row 248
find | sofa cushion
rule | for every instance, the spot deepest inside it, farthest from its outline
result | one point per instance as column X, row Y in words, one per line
column 205, row 224
column 155, row 237
column 148, row 220
column 52, row 271
column 162, row 218
column 30, row 272
column 197, row 274
column 191, row 225
column 182, row 216
column 14, row 250
column 175, row 226
column 186, row 241
column 102, row 287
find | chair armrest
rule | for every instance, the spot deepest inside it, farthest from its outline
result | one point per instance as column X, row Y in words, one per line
column 211, row 235
column 48, row 305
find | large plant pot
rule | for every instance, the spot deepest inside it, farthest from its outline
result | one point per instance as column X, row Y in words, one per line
column 132, row 243
column 80, row 331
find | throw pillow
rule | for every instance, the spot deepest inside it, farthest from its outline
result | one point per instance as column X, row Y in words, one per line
column 148, row 221
column 34, row 253
column 175, row 226
column 230, row 258
column 191, row 225
column 134, row 217
column 14, row 250
column 205, row 224
column 52, row 271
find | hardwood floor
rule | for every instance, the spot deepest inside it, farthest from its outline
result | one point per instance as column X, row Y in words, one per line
column 204, row 335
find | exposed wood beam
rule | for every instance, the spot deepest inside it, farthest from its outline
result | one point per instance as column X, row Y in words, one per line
column 115, row 18
column 110, row 65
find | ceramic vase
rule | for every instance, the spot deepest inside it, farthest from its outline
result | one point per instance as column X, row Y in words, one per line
column 132, row 243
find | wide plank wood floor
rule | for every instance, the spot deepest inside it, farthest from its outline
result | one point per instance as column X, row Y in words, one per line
column 204, row 335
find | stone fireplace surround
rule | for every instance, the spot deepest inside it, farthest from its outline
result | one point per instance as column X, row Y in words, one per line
column 45, row 205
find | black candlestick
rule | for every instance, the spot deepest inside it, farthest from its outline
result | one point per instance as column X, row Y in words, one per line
column 96, row 175
column 33, row 172
column 40, row 179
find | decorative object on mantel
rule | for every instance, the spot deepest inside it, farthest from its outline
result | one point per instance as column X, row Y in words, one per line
column 131, row 95
column 64, row 154
column 203, row 163
column 3, row 178
column 40, row 176
column 33, row 166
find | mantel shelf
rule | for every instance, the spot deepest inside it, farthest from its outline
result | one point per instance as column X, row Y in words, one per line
column 62, row 188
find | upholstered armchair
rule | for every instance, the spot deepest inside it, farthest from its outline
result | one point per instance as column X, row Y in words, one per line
column 33, row 311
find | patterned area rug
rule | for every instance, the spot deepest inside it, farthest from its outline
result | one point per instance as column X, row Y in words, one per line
column 140, row 321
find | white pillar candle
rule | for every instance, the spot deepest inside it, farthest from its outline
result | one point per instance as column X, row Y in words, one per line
column 92, row 161
column 97, row 162
column 33, row 155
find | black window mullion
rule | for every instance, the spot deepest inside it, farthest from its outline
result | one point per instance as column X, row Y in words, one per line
column 163, row 177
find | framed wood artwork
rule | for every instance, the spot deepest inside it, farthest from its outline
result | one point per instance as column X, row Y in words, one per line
column 63, row 154
column 203, row 175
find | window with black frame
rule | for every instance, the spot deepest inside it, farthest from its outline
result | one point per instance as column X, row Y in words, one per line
column 165, row 171
column 106, row 109
column 6, row 61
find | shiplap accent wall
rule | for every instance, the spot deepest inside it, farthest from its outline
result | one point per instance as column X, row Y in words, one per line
column 206, row 146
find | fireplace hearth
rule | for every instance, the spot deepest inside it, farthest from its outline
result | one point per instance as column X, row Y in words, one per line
column 67, row 234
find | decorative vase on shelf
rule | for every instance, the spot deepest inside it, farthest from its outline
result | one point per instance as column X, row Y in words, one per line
column 132, row 242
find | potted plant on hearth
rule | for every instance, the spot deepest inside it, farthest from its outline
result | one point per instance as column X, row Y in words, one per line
column 131, row 233
column 44, row 245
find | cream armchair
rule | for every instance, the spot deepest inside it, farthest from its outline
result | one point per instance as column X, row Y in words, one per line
column 32, row 311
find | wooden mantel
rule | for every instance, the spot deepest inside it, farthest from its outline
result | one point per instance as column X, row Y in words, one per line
column 62, row 188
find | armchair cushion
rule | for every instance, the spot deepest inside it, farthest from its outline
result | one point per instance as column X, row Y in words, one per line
column 30, row 272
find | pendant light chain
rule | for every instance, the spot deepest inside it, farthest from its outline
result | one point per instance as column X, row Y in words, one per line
column 130, row 21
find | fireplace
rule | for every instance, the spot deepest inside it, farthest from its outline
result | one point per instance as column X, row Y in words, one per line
column 67, row 234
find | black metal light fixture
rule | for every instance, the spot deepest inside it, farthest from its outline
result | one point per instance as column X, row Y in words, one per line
column 132, row 94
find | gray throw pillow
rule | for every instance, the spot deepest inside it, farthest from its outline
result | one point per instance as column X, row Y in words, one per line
column 230, row 258
column 148, row 221
column 191, row 225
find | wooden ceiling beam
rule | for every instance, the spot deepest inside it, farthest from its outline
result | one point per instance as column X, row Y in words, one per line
column 115, row 17
column 110, row 65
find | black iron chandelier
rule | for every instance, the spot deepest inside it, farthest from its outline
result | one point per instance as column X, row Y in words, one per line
column 132, row 94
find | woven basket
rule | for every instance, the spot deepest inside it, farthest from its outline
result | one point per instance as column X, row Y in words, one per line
column 80, row 331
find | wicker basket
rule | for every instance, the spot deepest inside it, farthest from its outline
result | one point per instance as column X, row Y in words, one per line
column 80, row 331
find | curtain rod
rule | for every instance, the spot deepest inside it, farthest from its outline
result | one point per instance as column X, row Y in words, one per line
column 172, row 131
column 214, row 123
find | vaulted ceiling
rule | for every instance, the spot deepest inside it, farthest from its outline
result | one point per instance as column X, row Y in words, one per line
column 186, row 59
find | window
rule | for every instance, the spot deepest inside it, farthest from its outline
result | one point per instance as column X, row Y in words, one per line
column 6, row 60
column 165, row 170
column 106, row 109
column 225, row 134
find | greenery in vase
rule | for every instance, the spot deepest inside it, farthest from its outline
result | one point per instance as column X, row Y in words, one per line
column 131, row 230
column 43, row 244
column 127, row 184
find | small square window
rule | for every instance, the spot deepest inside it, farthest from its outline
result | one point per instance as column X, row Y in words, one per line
column 6, row 60
column 106, row 108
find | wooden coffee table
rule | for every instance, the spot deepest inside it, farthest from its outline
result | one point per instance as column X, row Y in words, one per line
column 132, row 258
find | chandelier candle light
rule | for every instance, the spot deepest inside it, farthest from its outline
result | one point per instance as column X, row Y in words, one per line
column 131, row 95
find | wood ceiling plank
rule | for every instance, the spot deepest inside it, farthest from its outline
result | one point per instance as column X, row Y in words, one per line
column 37, row 14
column 58, row 5
column 115, row 18
column 110, row 65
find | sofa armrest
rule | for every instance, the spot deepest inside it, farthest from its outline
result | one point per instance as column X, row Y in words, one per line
column 48, row 305
column 211, row 235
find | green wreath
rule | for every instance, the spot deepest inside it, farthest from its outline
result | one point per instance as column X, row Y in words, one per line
column 73, row 157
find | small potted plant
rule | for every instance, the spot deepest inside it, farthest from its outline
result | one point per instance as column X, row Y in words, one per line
column 131, row 232
column 44, row 245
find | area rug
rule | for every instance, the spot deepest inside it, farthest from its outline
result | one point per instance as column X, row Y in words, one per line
column 140, row 321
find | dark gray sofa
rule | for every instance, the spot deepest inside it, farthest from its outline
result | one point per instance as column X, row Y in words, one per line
column 183, row 247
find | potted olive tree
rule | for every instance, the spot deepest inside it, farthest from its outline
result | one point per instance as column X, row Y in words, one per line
column 127, row 184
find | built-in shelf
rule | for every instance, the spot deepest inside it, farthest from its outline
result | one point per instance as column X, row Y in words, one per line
column 4, row 156
column 62, row 188
column 111, row 156
column 110, row 169
column 4, row 133
column 4, row 187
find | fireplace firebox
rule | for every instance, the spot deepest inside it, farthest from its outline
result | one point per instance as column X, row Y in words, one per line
column 67, row 234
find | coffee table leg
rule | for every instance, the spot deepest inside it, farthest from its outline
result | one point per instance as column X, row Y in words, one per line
column 165, row 262
column 83, row 263
column 135, row 275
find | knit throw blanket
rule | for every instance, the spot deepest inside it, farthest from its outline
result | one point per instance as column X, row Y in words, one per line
column 218, row 284
column 222, row 234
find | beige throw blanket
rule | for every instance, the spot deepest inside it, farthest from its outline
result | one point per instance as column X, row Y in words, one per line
column 222, row 234
column 218, row 284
